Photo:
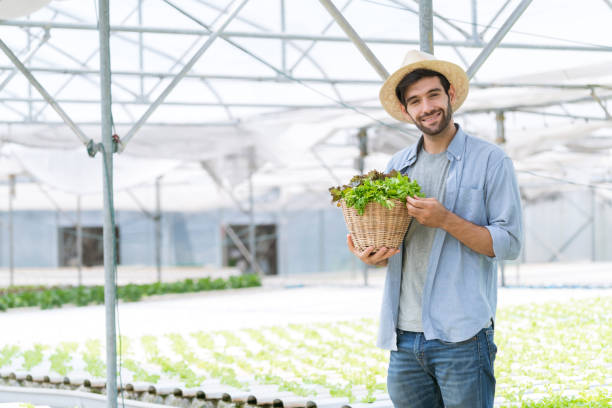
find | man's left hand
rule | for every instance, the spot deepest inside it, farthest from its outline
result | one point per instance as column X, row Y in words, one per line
column 427, row 211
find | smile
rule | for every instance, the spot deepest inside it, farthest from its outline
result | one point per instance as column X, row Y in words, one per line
column 430, row 118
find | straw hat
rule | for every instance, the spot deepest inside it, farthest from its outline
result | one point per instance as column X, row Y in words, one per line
column 415, row 60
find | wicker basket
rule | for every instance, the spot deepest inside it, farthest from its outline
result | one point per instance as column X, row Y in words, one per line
column 378, row 226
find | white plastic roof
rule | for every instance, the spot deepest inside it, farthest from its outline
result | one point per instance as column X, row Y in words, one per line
column 297, row 102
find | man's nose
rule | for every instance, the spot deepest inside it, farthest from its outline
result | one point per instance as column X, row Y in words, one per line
column 426, row 106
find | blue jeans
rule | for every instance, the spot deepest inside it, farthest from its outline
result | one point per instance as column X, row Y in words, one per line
column 433, row 373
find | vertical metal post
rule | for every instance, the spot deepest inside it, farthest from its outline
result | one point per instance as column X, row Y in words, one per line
column 158, row 231
column 502, row 265
column 2, row 221
column 475, row 36
column 30, row 108
column 321, row 240
column 426, row 26
column 11, row 235
column 252, row 243
column 362, row 136
column 109, row 227
column 593, row 225
column 140, row 49
column 500, row 137
column 79, row 241
column 283, row 42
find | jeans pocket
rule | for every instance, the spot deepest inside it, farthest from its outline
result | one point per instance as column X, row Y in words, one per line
column 491, row 344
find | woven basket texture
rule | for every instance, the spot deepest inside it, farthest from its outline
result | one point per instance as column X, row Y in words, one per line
column 378, row 226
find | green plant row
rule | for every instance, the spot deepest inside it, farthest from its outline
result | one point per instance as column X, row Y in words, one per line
column 546, row 350
column 85, row 295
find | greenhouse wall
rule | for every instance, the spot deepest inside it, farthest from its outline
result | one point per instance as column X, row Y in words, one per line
column 307, row 240
column 562, row 229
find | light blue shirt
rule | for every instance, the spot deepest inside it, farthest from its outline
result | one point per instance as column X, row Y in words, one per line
column 460, row 292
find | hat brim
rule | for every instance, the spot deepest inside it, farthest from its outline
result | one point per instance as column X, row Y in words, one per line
column 454, row 73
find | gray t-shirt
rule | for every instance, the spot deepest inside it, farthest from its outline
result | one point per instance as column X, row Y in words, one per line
column 430, row 171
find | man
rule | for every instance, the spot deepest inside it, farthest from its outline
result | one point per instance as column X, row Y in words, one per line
column 440, row 292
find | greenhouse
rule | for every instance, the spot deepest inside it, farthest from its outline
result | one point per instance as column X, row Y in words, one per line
column 187, row 146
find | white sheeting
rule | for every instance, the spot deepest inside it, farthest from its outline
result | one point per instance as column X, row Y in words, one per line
column 73, row 171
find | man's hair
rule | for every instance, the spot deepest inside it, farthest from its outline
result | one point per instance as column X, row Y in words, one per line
column 415, row 76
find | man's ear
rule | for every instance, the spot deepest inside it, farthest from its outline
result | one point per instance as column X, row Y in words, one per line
column 451, row 94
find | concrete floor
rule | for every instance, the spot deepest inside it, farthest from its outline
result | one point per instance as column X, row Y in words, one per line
column 281, row 300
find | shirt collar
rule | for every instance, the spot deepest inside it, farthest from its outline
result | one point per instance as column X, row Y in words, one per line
column 454, row 151
column 456, row 148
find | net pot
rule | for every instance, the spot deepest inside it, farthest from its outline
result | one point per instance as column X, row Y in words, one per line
column 378, row 226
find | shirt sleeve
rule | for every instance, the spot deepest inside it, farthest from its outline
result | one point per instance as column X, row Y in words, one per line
column 504, row 213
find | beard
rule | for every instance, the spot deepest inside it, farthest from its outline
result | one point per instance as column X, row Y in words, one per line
column 445, row 119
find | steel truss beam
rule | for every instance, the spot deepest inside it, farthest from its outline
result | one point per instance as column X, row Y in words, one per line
column 311, row 46
column 336, row 81
column 560, row 115
column 539, row 105
column 295, row 36
column 497, row 38
column 97, row 123
column 25, row 60
column 160, row 99
column 352, row 34
column 179, row 103
column 285, row 105
column 19, row 65
column 259, row 59
column 264, row 29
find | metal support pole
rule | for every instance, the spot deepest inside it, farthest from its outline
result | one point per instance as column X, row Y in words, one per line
column 186, row 68
column 362, row 136
column 158, row 230
column 140, row 49
column 43, row 92
column 252, row 243
column 109, row 225
column 475, row 36
column 352, row 34
column 11, row 235
column 484, row 54
column 321, row 240
column 27, row 63
column 426, row 26
column 283, row 42
column 593, row 225
column 501, row 128
column 79, row 241
column 600, row 103
column 243, row 250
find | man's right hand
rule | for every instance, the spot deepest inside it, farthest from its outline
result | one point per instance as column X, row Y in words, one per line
column 377, row 259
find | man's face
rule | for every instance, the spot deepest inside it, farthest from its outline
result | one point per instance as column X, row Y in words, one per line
column 428, row 105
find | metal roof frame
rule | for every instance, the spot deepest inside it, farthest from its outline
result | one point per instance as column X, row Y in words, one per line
column 112, row 144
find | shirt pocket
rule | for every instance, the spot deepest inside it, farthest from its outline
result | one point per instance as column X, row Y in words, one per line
column 471, row 205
